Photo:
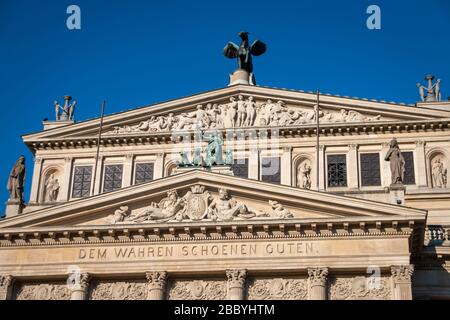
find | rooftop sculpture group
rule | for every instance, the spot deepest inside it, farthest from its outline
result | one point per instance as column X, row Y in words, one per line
column 66, row 112
column 433, row 91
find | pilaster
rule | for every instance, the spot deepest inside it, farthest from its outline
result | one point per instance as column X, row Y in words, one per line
column 6, row 285
column 236, row 283
column 321, row 169
column 156, row 285
column 66, row 179
column 317, row 283
column 352, row 166
column 401, row 282
column 128, row 170
column 286, row 166
column 420, row 164
column 159, row 166
column 37, row 171
column 253, row 164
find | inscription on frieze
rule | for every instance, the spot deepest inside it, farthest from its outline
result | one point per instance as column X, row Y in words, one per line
column 222, row 250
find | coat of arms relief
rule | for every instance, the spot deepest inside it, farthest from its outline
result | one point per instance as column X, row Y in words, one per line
column 197, row 204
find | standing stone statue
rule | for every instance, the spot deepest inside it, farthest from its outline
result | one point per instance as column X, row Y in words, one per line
column 214, row 150
column 304, row 176
column 67, row 111
column 16, row 181
column 439, row 174
column 397, row 162
column 51, row 189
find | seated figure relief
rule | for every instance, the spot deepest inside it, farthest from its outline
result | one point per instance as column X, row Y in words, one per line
column 242, row 112
column 197, row 204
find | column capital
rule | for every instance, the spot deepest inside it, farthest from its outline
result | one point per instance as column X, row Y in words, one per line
column 236, row 277
column 129, row 156
column 156, row 279
column 419, row 143
column 38, row 160
column 160, row 155
column 79, row 282
column 353, row 146
column 6, row 281
column 402, row 273
column 321, row 147
column 287, row 149
column 318, row 276
column 68, row 159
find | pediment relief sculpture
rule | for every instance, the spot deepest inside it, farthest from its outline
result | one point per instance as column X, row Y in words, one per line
column 197, row 204
column 241, row 112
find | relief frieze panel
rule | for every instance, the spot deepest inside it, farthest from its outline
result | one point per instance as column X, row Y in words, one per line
column 118, row 290
column 42, row 291
column 359, row 288
column 197, row 290
column 277, row 289
column 241, row 112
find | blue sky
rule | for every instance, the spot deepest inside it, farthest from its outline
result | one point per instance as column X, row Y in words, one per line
column 134, row 53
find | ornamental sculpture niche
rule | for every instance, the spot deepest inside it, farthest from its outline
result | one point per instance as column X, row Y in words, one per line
column 439, row 173
column 241, row 112
column 197, row 204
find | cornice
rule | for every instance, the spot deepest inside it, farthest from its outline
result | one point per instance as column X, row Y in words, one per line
column 205, row 231
column 298, row 131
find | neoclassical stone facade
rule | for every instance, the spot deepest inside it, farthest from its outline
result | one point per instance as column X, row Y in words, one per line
column 286, row 220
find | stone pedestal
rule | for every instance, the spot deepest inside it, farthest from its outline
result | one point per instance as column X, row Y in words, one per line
column 6, row 285
column 222, row 169
column 156, row 285
column 79, row 286
column 236, row 283
column 401, row 282
column 241, row 76
column 13, row 208
column 318, row 283
column 397, row 194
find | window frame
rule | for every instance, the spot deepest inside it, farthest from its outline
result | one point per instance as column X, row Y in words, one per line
column 327, row 156
column 72, row 189
column 136, row 164
column 380, row 168
column 104, row 176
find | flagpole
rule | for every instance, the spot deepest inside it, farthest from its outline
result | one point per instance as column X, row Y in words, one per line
column 317, row 141
column 98, row 146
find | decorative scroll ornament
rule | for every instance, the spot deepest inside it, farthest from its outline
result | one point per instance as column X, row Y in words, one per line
column 277, row 289
column 199, row 204
column 402, row 273
column 198, row 290
column 240, row 113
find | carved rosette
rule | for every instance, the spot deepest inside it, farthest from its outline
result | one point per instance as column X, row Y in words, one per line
column 402, row 273
column 156, row 280
column 317, row 276
column 236, row 278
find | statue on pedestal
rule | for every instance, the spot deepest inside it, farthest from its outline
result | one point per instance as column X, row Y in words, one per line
column 214, row 150
column 16, row 181
column 397, row 162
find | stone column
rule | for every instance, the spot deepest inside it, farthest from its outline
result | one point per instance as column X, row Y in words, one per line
column 156, row 285
column 128, row 171
column 318, row 283
column 159, row 166
column 353, row 166
column 65, row 183
column 401, row 282
column 37, row 171
column 6, row 285
column 236, row 283
column 321, row 170
column 253, row 164
column 286, row 166
column 79, row 286
column 420, row 165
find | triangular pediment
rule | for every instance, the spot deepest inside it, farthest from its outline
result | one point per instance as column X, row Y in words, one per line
column 269, row 107
column 195, row 196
